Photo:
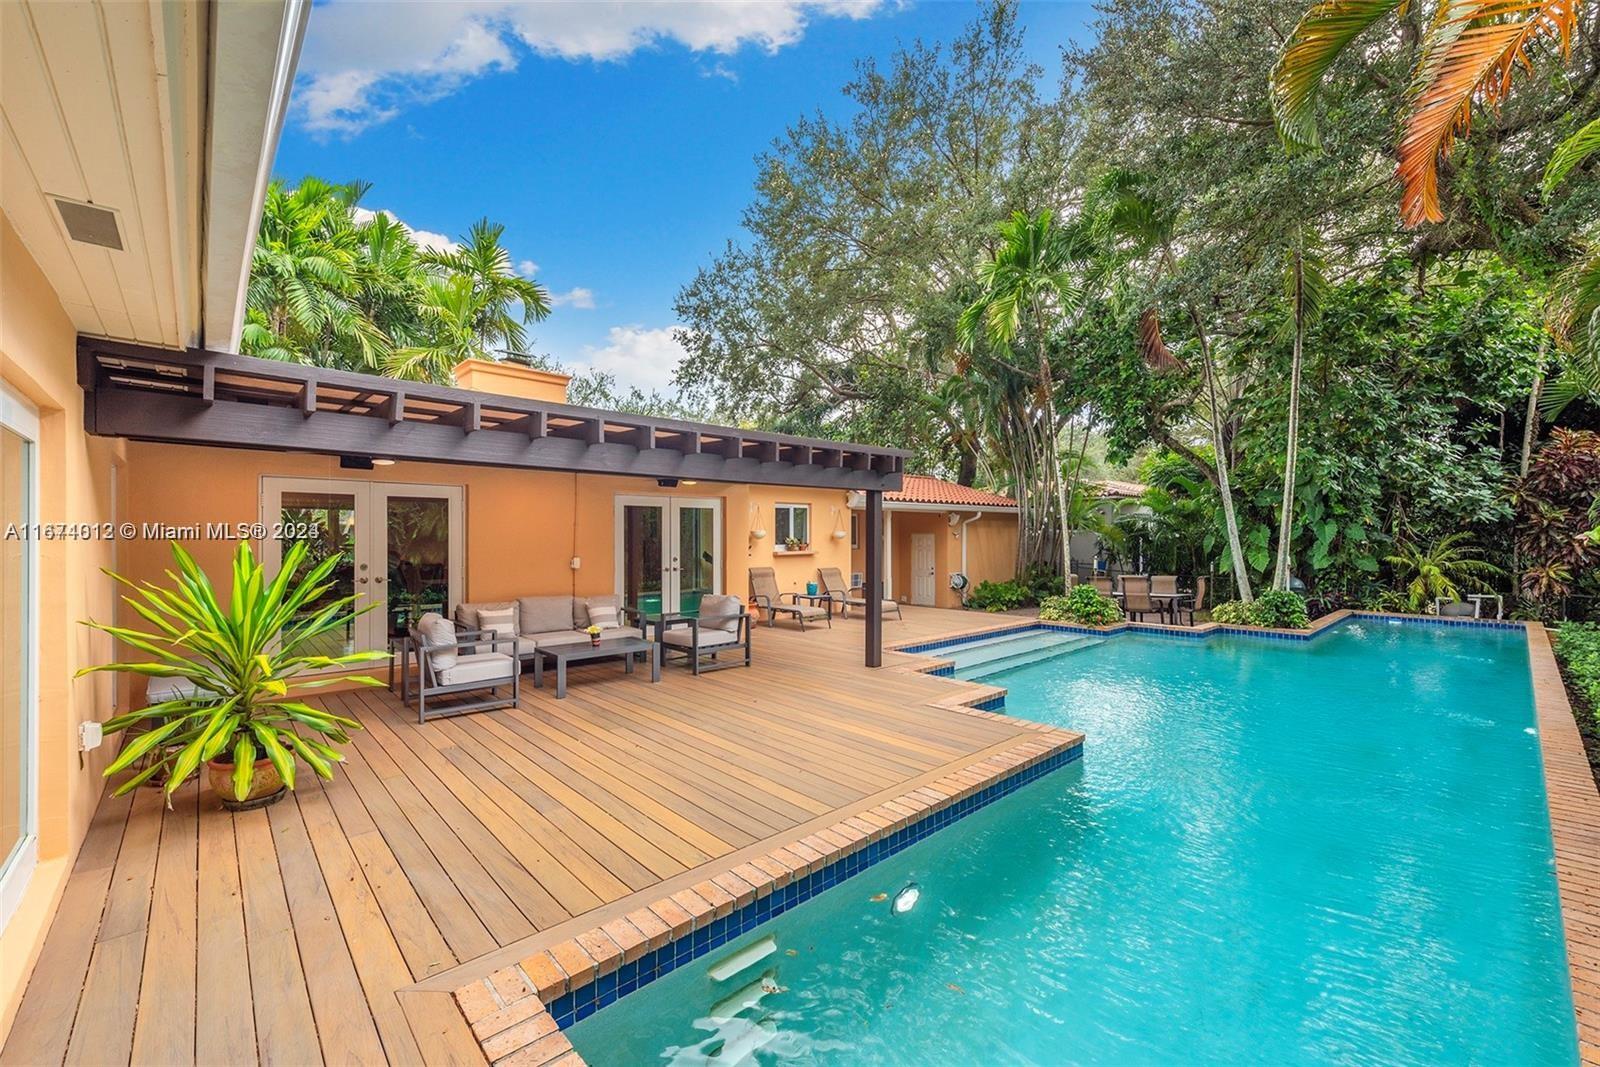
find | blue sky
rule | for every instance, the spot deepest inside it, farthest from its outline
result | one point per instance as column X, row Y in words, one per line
column 615, row 141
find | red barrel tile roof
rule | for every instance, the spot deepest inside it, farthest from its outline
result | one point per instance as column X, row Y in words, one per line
column 921, row 489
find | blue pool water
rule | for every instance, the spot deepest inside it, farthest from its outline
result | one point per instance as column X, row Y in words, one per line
column 1334, row 852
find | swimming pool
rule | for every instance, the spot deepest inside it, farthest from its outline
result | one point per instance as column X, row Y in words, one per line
column 1334, row 851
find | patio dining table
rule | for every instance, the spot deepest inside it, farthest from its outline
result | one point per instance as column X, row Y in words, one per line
column 1168, row 603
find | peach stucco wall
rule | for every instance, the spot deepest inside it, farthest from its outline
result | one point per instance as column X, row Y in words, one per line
column 522, row 527
column 38, row 346
column 991, row 550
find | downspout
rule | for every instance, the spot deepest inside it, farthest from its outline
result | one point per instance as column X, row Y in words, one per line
column 976, row 515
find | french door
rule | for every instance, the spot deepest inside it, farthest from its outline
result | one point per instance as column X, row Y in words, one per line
column 19, row 648
column 668, row 552
column 399, row 548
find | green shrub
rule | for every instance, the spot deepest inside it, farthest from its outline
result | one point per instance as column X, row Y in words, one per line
column 997, row 596
column 1276, row 609
column 1233, row 613
column 1578, row 647
column 1280, row 609
column 1085, row 604
column 1041, row 582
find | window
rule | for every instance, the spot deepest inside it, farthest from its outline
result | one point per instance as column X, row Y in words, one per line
column 791, row 526
column 855, row 530
column 19, row 565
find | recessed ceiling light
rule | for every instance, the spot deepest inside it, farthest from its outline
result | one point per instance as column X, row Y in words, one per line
column 383, row 463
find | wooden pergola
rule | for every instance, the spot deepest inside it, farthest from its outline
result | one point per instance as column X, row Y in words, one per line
column 197, row 397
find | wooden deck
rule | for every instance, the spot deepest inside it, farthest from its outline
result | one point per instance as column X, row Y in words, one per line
column 333, row 926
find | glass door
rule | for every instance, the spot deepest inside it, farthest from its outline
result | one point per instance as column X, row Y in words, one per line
column 399, row 549
column 668, row 552
column 19, row 568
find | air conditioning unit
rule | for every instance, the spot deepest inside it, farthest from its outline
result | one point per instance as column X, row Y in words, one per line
column 857, row 580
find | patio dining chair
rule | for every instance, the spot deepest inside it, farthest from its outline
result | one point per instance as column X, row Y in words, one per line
column 1136, row 602
column 1164, row 583
column 833, row 584
column 764, row 594
column 1194, row 604
column 451, row 662
column 1105, row 585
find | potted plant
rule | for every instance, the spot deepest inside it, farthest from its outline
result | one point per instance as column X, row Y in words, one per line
column 234, row 663
column 594, row 635
column 793, row 544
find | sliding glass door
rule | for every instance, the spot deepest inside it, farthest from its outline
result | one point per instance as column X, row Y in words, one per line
column 19, row 648
column 668, row 552
column 399, row 548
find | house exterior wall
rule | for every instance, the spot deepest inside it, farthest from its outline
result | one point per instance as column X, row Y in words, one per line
column 76, row 484
column 522, row 528
column 991, row 550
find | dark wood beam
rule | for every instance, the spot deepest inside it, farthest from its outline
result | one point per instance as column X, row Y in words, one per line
column 178, row 419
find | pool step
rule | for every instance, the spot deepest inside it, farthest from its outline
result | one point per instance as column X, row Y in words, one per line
column 1022, row 657
column 1006, row 647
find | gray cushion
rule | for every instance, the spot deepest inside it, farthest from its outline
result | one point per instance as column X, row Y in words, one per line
column 435, row 629
column 602, row 611
column 683, row 637
column 485, row 667
column 552, row 638
column 467, row 614
column 720, row 613
column 502, row 621
column 542, row 614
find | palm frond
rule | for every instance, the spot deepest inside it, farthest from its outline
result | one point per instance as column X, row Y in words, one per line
column 1323, row 32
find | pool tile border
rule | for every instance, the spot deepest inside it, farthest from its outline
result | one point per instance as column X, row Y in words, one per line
column 1574, row 805
column 518, row 1013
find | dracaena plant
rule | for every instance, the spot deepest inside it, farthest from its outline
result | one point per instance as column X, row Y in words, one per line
column 240, row 660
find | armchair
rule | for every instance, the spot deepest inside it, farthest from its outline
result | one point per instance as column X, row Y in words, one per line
column 451, row 661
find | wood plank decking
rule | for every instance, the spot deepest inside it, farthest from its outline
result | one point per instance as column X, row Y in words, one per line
column 332, row 926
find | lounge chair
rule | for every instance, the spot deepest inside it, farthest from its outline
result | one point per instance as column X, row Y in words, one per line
column 765, row 595
column 851, row 596
column 722, row 627
column 1136, row 602
column 459, row 661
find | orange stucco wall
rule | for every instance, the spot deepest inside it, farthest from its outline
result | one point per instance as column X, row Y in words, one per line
column 38, row 347
column 522, row 528
column 991, row 550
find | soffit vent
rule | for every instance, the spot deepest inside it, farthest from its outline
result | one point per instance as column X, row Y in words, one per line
column 90, row 224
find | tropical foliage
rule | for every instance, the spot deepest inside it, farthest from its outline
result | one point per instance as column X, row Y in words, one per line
column 1578, row 649
column 1083, row 604
column 1556, row 517
column 1440, row 571
column 1275, row 609
column 336, row 286
column 238, row 659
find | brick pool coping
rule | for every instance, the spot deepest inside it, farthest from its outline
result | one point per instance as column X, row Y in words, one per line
column 513, row 1012
column 1575, row 827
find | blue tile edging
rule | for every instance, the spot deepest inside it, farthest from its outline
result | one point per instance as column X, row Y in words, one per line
column 607, row 989
column 1196, row 634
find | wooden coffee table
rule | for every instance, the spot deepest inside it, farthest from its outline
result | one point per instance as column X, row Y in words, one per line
column 625, row 648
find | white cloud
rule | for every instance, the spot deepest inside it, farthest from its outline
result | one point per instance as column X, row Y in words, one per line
column 638, row 356
column 577, row 297
column 365, row 61
column 434, row 242
column 527, row 268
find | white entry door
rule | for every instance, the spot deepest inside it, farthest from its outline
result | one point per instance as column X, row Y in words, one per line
column 668, row 552
column 19, row 649
column 923, row 589
column 400, row 548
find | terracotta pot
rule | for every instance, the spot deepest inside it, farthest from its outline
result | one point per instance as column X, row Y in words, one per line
column 265, row 788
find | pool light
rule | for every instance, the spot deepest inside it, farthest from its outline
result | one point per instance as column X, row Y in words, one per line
column 906, row 899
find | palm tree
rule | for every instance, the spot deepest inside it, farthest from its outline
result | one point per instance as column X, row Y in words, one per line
column 497, row 288
column 1305, row 285
column 1126, row 211
column 451, row 311
column 1027, row 287
column 1468, row 52
column 1574, row 312
column 1438, row 571
column 300, row 301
